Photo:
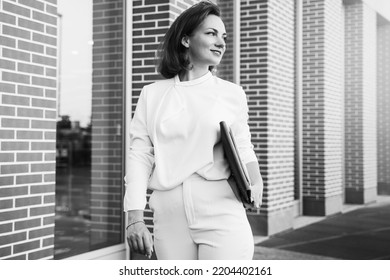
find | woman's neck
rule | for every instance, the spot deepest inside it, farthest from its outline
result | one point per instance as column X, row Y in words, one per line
column 193, row 74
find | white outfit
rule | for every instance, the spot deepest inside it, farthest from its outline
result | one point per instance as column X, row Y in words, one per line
column 175, row 136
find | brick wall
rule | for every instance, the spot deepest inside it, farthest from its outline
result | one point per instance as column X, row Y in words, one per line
column 383, row 123
column 225, row 69
column 28, row 65
column 360, row 104
column 267, row 75
column 107, row 102
column 322, row 106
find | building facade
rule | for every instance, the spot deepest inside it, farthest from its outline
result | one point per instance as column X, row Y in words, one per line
column 316, row 74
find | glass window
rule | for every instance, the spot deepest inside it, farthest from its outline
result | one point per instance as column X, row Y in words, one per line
column 89, row 158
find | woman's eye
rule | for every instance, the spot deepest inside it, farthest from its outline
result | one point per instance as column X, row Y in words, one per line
column 211, row 33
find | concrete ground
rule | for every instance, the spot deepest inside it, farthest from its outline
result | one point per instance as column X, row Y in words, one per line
column 358, row 233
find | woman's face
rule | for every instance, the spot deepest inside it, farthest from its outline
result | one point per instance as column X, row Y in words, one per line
column 207, row 44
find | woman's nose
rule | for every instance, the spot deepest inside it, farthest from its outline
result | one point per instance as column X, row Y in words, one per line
column 220, row 43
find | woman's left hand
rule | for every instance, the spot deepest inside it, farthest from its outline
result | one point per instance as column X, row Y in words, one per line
column 257, row 183
column 257, row 194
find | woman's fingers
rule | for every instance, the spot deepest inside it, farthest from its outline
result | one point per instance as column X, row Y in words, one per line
column 148, row 245
column 136, row 243
column 132, row 244
column 257, row 200
column 257, row 194
column 140, row 243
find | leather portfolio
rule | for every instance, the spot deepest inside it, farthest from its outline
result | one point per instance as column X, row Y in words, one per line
column 239, row 180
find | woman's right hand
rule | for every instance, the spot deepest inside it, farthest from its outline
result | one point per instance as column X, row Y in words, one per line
column 138, row 236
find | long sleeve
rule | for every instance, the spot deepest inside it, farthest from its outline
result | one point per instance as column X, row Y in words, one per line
column 141, row 159
column 242, row 134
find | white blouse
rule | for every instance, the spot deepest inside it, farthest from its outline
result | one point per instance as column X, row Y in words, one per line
column 175, row 133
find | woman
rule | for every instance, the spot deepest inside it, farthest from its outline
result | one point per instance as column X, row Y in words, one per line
column 176, row 150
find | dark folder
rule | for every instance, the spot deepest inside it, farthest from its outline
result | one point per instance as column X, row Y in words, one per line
column 240, row 183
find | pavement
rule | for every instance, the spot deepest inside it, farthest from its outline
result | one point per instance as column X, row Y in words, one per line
column 359, row 232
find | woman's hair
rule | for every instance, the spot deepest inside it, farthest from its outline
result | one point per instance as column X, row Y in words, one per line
column 172, row 55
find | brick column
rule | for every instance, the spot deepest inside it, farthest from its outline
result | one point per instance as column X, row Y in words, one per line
column 28, row 91
column 107, row 102
column 267, row 75
column 360, row 104
column 383, row 82
column 322, row 106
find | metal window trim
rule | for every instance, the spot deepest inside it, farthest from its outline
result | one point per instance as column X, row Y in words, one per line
column 108, row 253
column 127, row 95
column 299, row 100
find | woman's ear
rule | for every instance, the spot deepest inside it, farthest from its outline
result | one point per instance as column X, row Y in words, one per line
column 185, row 41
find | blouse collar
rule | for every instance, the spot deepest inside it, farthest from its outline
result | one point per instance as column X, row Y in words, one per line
column 196, row 81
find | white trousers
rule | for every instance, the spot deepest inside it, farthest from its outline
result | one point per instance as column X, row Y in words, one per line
column 202, row 220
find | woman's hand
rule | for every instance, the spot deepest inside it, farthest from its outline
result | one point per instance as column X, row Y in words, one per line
column 257, row 194
column 138, row 236
column 140, row 240
column 257, row 183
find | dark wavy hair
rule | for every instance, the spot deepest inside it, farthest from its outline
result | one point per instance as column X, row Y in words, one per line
column 172, row 55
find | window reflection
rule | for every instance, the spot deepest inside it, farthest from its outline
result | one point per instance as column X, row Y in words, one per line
column 89, row 139
column 73, row 185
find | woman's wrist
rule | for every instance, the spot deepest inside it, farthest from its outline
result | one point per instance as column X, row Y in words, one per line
column 135, row 215
column 135, row 222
